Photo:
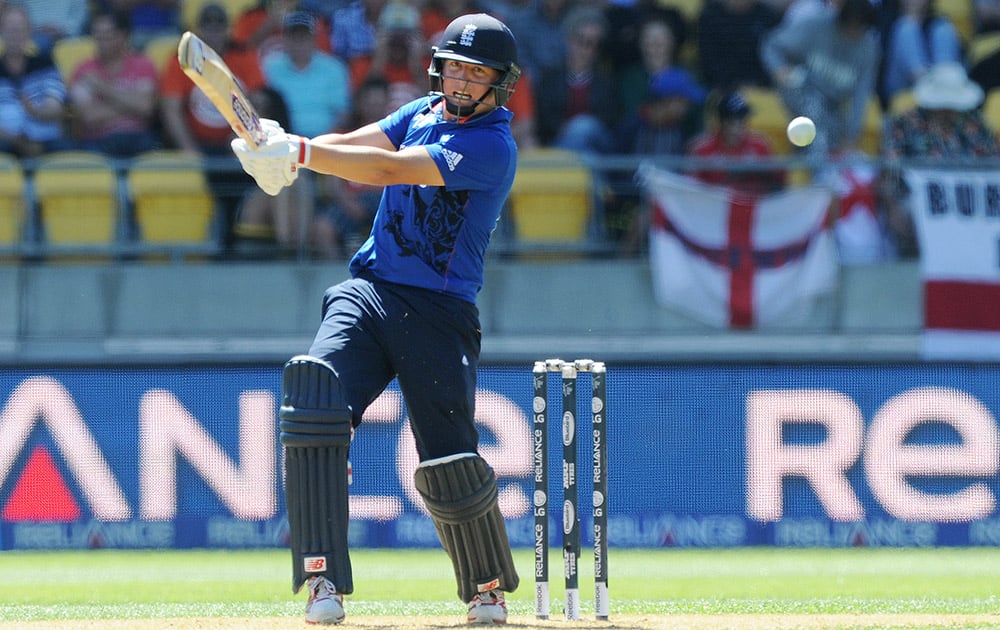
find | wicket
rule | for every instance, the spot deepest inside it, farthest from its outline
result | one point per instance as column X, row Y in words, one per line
column 571, row 520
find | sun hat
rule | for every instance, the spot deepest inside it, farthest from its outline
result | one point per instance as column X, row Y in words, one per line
column 947, row 86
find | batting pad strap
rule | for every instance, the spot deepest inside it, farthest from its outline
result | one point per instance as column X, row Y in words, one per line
column 461, row 495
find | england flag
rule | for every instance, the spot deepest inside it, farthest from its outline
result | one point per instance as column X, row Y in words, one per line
column 733, row 261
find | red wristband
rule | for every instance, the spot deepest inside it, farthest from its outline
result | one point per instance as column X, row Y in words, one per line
column 304, row 151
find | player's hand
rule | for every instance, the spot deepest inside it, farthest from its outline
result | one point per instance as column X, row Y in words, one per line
column 274, row 165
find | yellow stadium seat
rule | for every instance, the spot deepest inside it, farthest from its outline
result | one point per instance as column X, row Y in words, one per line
column 991, row 109
column 171, row 199
column 77, row 198
column 12, row 215
column 982, row 46
column 769, row 116
column 160, row 48
column 552, row 199
column 234, row 8
column 902, row 102
column 70, row 52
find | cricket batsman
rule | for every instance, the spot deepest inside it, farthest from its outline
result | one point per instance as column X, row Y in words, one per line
column 447, row 161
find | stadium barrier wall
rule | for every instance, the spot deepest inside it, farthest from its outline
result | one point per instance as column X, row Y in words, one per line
column 700, row 455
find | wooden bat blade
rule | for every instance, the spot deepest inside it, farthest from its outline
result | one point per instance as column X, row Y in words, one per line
column 209, row 72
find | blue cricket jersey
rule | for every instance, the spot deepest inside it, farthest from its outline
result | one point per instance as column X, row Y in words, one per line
column 436, row 237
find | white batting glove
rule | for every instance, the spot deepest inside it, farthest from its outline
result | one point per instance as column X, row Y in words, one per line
column 275, row 164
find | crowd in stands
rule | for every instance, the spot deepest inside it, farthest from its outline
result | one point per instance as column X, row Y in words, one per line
column 638, row 77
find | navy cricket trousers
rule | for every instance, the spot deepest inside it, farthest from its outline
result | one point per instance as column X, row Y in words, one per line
column 373, row 331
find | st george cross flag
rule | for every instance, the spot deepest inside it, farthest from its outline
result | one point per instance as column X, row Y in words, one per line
column 733, row 261
column 957, row 219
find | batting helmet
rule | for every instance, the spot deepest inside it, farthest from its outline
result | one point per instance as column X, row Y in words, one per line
column 479, row 39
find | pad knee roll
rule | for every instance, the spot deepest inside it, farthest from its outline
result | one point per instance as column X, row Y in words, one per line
column 461, row 495
column 315, row 423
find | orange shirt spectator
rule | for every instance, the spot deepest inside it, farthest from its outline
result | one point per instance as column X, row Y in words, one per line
column 191, row 121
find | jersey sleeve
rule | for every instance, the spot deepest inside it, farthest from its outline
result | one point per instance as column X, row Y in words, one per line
column 477, row 159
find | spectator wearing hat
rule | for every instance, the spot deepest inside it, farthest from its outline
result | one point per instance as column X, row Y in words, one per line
column 315, row 85
column 670, row 118
column 945, row 123
column 260, row 28
column 919, row 38
column 824, row 65
column 731, row 138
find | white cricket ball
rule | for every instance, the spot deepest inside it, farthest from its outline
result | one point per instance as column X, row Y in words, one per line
column 801, row 131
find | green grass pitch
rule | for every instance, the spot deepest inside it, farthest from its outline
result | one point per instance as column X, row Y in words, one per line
column 211, row 583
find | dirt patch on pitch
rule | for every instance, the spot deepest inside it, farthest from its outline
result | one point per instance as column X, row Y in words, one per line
column 639, row 622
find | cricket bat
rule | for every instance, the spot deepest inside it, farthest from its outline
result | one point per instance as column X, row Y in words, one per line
column 209, row 72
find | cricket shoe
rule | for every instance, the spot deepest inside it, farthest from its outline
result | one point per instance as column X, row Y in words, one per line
column 325, row 604
column 488, row 608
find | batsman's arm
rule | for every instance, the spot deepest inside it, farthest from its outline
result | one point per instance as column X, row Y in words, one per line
column 368, row 157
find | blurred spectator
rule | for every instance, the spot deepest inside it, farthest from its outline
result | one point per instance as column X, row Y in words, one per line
column 919, row 39
column 728, row 53
column 575, row 100
column 149, row 18
column 657, row 47
column 52, row 20
column 113, row 95
column 355, row 29
column 665, row 124
column 32, row 93
column 627, row 20
column 315, row 85
column 260, row 28
column 400, row 54
column 945, row 123
column 733, row 139
column 669, row 119
column 192, row 123
column 825, row 66
column 541, row 35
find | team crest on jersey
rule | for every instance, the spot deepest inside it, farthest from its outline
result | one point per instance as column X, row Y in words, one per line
column 451, row 158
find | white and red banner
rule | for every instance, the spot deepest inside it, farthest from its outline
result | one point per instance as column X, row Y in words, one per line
column 957, row 218
column 734, row 261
